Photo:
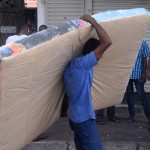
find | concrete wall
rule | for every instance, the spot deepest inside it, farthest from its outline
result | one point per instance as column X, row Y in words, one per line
column 41, row 12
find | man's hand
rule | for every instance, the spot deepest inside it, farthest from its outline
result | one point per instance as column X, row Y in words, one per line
column 143, row 79
column 148, row 75
column 148, row 70
column 88, row 18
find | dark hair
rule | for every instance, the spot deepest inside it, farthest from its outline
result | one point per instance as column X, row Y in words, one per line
column 90, row 45
column 23, row 27
column 42, row 27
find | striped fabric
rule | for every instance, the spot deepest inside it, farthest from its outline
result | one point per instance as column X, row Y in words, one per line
column 138, row 68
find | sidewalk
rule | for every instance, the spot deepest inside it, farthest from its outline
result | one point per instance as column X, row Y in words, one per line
column 115, row 136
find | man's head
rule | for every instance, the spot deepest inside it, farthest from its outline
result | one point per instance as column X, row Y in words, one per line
column 42, row 27
column 90, row 45
column 25, row 29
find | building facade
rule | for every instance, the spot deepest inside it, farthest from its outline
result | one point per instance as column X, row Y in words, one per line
column 14, row 14
column 61, row 10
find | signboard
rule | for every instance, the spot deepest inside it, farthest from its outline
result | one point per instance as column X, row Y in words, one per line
column 30, row 3
column 8, row 29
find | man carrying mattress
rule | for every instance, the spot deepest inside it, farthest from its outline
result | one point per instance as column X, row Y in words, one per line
column 78, row 77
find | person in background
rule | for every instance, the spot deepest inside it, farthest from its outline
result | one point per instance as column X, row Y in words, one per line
column 110, row 114
column 78, row 77
column 42, row 27
column 24, row 31
column 138, row 77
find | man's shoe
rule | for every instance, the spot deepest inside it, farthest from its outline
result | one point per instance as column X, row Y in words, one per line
column 100, row 121
column 131, row 119
column 114, row 119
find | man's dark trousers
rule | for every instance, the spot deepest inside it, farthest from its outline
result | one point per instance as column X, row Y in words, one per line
column 141, row 92
column 86, row 135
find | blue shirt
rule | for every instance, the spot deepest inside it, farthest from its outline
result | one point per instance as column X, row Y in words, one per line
column 138, row 68
column 78, row 77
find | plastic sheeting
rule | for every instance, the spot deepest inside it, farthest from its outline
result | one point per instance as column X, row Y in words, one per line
column 60, row 29
column 32, row 81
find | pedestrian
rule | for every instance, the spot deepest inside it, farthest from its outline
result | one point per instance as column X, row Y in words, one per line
column 78, row 77
column 110, row 114
column 138, row 78
column 24, row 31
column 42, row 27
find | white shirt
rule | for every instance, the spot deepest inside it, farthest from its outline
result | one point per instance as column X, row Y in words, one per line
column 14, row 38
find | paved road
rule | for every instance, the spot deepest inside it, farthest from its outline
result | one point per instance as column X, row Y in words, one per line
column 115, row 136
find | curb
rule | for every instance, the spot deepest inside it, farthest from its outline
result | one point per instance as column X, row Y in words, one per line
column 69, row 145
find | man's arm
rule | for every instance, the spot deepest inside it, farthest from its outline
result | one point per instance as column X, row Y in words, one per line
column 104, row 39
